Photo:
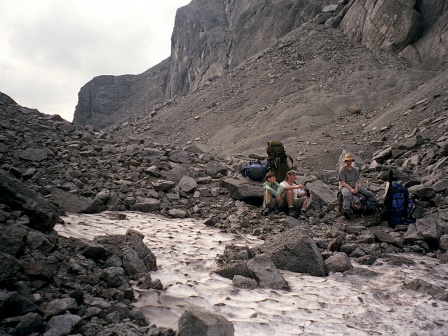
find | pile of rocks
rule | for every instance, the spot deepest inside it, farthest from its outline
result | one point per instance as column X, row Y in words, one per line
column 49, row 167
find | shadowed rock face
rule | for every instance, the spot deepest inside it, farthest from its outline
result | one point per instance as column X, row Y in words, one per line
column 106, row 99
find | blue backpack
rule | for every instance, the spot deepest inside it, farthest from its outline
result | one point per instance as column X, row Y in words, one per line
column 255, row 170
column 398, row 206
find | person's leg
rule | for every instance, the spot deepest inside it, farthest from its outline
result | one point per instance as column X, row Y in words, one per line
column 269, row 203
column 365, row 192
column 289, row 199
column 278, row 203
column 347, row 197
column 303, row 203
column 267, row 198
column 289, row 195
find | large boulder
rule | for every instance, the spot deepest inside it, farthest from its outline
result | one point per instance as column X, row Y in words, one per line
column 243, row 191
column 397, row 26
column 202, row 323
column 391, row 25
column 294, row 251
column 266, row 273
column 41, row 213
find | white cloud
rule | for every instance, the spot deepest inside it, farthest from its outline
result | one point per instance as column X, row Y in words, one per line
column 49, row 49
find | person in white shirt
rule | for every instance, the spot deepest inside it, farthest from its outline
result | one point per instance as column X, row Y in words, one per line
column 296, row 198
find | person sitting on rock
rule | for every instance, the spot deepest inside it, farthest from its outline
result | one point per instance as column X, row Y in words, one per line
column 273, row 194
column 297, row 198
column 349, row 184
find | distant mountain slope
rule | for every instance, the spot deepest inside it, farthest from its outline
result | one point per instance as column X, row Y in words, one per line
column 243, row 72
column 315, row 90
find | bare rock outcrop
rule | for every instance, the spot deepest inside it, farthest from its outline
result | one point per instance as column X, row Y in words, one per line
column 107, row 99
column 211, row 36
column 415, row 29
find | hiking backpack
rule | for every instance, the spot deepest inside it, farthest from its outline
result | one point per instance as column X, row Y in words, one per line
column 360, row 204
column 278, row 160
column 398, row 206
column 255, row 170
column 365, row 205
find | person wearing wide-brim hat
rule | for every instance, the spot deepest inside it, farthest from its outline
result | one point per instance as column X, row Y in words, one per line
column 349, row 183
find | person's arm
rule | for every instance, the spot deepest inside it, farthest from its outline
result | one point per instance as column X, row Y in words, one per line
column 292, row 187
column 271, row 190
column 352, row 190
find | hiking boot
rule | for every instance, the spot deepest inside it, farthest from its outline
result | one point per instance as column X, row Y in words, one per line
column 276, row 209
column 267, row 211
column 346, row 213
column 294, row 213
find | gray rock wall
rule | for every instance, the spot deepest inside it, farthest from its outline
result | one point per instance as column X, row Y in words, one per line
column 415, row 29
column 211, row 36
column 107, row 99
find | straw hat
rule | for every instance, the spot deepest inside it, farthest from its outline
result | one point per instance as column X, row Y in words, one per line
column 348, row 157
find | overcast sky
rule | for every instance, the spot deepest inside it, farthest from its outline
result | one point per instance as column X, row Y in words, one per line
column 50, row 48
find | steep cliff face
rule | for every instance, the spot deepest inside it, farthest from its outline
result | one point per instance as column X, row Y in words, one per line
column 199, row 45
column 212, row 37
column 255, row 25
column 107, row 99
column 417, row 30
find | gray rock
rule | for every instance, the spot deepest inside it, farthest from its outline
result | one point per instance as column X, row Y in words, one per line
column 73, row 203
column 233, row 268
column 422, row 191
column 243, row 282
column 134, row 240
column 177, row 213
column 163, row 185
column 425, row 287
column 62, row 325
column 34, row 154
column 187, row 184
column 29, row 324
column 146, row 205
column 13, row 239
column 266, row 273
column 201, row 323
column 180, row 157
column 10, row 269
column 444, row 242
column 39, row 241
column 321, row 192
column 215, row 169
column 92, row 250
column 42, row 214
column 427, row 229
column 60, row 306
column 240, row 190
column 339, row 262
column 293, row 251
column 38, row 269
column 114, row 276
column 14, row 304
column 382, row 155
column 380, row 29
column 385, row 237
